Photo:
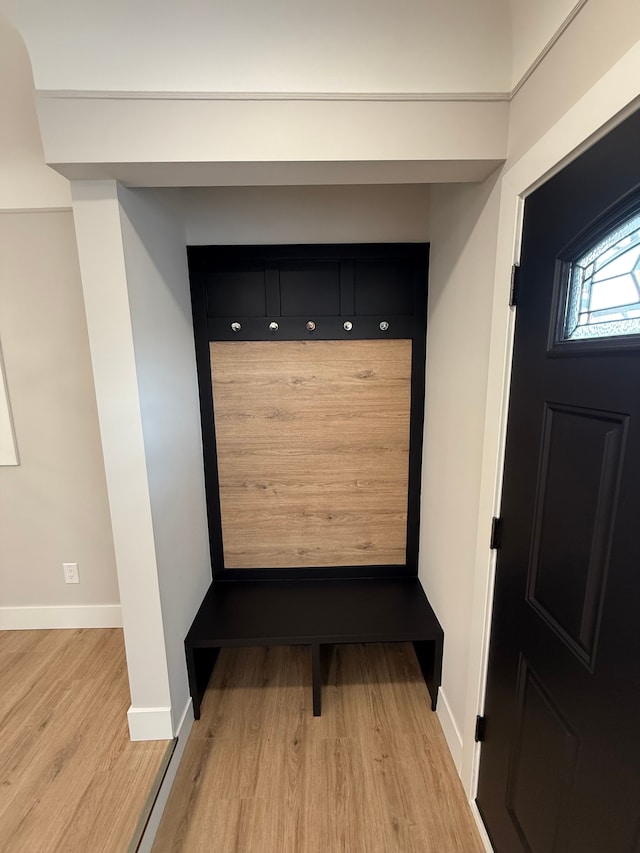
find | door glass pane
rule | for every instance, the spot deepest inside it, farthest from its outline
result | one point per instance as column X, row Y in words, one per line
column 603, row 297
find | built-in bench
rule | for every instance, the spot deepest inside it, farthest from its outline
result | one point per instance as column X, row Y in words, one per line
column 311, row 364
column 316, row 613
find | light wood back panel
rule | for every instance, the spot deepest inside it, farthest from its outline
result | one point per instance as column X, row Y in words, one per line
column 313, row 451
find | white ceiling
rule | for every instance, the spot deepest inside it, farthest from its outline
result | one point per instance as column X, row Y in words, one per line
column 384, row 46
column 534, row 23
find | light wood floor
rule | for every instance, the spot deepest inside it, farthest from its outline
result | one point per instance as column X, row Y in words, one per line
column 260, row 774
column 70, row 779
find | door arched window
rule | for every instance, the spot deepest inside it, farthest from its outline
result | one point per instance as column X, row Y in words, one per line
column 603, row 293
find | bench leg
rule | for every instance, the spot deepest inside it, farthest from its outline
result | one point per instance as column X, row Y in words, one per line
column 200, row 664
column 316, row 679
column 429, row 654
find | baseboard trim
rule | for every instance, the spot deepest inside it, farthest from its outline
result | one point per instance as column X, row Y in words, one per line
column 450, row 729
column 151, row 828
column 13, row 210
column 150, row 723
column 484, row 837
column 65, row 616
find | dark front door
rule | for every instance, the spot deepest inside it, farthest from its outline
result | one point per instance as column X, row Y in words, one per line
column 560, row 763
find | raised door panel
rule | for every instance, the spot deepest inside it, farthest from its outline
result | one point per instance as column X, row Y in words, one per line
column 582, row 454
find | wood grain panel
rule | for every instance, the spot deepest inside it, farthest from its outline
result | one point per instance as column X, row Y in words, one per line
column 313, row 451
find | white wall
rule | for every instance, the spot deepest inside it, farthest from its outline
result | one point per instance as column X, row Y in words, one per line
column 136, row 289
column 53, row 506
column 533, row 25
column 25, row 181
column 284, row 45
column 8, row 447
column 599, row 36
column 411, row 46
column 159, row 298
column 342, row 214
column 461, row 276
column 98, row 227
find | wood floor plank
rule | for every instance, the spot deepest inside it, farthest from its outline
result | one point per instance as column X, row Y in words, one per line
column 71, row 780
column 373, row 774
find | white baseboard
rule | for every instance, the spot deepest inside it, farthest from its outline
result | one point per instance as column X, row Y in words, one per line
column 481, row 827
column 151, row 828
column 150, row 723
column 450, row 729
column 64, row 616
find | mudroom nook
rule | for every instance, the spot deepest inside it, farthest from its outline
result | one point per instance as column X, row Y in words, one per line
column 311, row 375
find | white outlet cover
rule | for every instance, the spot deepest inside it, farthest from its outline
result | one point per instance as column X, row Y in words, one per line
column 71, row 573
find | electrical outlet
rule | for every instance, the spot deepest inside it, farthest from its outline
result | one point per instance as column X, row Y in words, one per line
column 71, row 573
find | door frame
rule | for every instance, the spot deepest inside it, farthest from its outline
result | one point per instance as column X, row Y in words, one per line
column 614, row 97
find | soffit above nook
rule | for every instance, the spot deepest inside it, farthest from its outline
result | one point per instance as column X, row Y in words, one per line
column 210, row 142
column 155, row 93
